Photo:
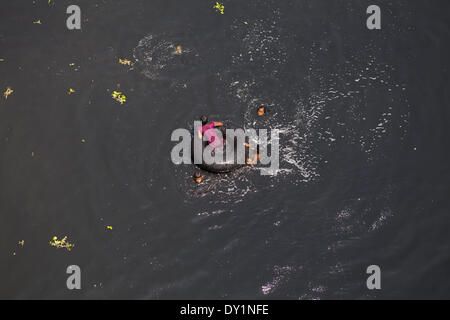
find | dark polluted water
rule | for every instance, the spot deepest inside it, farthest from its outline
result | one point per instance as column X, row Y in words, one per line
column 363, row 169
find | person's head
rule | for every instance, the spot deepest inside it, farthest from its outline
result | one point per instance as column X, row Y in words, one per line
column 197, row 177
column 261, row 110
column 204, row 120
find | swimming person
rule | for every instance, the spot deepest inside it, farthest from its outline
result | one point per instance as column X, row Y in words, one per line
column 198, row 177
column 256, row 157
column 261, row 111
column 208, row 131
column 216, row 140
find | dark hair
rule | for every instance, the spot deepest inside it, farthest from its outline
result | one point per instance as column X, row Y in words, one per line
column 204, row 120
column 197, row 174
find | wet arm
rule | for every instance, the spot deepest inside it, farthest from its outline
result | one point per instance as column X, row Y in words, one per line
column 248, row 146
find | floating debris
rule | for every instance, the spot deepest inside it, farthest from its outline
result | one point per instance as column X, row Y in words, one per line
column 70, row 91
column 32, row 153
column 63, row 243
column 219, row 7
column 71, row 64
column 119, row 97
column 179, row 50
column 109, row 227
column 2, row 60
column 125, row 62
column 7, row 92
column 37, row 22
column 21, row 243
column 83, row 140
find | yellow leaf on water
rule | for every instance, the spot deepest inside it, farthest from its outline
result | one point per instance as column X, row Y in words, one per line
column 125, row 62
column 63, row 243
column 119, row 97
column 219, row 7
column 7, row 92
